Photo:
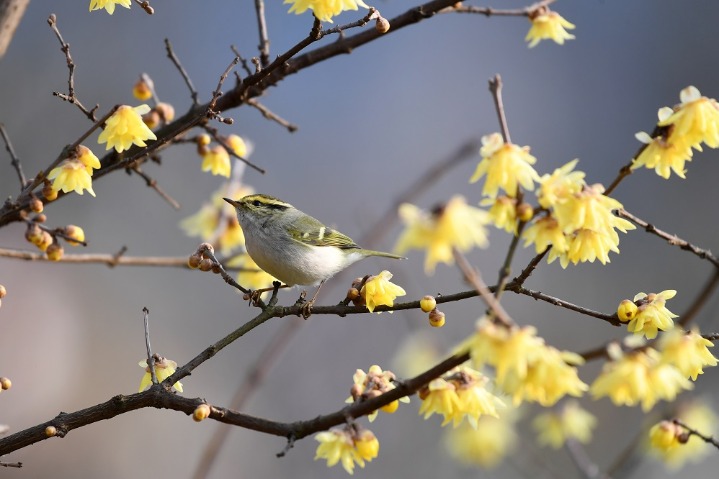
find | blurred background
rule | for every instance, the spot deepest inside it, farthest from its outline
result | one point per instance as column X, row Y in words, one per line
column 370, row 123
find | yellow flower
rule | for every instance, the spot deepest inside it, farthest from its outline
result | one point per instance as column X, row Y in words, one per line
column 652, row 314
column 347, row 445
column 475, row 400
column 75, row 235
column 164, row 368
column 324, row 10
column 587, row 245
column 484, row 446
column 71, row 175
column 688, row 352
column 217, row 161
column 203, row 223
column 379, row 291
column 126, row 127
column 639, row 377
column 456, row 224
column 108, row 5
column 554, row 428
column 506, row 165
column 663, row 154
column 372, row 384
column 237, row 145
column 545, row 233
column 251, row 276
column 503, row 212
column 87, row 158
column 695, row 414
column 560, row 185
column 590, row 209
column 548, row 25
column 695, row 120
column 526, row 368
column 440, row 397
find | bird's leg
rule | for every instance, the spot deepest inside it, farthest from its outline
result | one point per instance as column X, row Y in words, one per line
column 307, row 307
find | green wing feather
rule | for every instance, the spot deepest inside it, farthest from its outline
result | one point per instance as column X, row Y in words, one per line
column 313, row 232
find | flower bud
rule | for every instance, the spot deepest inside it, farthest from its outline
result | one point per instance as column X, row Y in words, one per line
column 381, row 25
column 436, row 318
column 151, row 119
column 524, row 211
column 3, row 291
column 74, row 233
column 50, row 431
column 36, row 205
column 427, row 303
column 40, row 218
column 142, row 90
column 54, row 252
column 45, row 241
column 5, row 383
column 627, row 310
column 206, row 264
column 48, row 193
column 201, row 412
column 352, row 294
column 216, row 268
column 33, row 233
column 166, row 111
column 194, row 261
column 203, row 139
column 391, row 407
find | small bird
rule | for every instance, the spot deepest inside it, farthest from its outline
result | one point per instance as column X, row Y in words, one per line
column 292, row 246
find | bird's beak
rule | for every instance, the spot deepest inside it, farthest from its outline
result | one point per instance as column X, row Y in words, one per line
column 232, row 202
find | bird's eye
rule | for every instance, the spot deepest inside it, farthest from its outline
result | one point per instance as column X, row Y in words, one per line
column 256, row 203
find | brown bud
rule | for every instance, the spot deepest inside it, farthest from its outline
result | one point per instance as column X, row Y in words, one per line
column 352, row 294
column 40, row 218
column 356, row 391
column 206, row 264
column 3, row 291
column 48, row 193
column 50, row 431
column 525, row 211
column 166, row 111
column 381, row 25
column 5, row 383
column 151, row 119
column 45, row 241
column 436, row 318
column 216, row 268
column 36, row 205
column 194, row 261
column 206, row 247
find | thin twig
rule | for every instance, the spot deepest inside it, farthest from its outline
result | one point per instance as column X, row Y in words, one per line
column 109, row 259
column 493, row 12
column 183, row 73
column 694, row 432
column 70, row 97
column 216, row 136
column 217, row 93
column 475, row 279
column 267, row 113
column 14, row 160
column 150, row 357
column 610, row 318
column 673, row 240
column 11, row 464
column 529, row 269
column 206, row 251
column 700, row 300
column 264, row 45
column 243, row 60
column 145, row 5
column 581, row 459
column 495, row 86
column 152, row 183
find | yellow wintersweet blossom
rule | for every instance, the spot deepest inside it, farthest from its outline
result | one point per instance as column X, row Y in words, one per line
column 217, row 161
column 688, row 352
column 554, row 428
column 348, row 445
column 71, row 175
column 563, row 183
column 440, row 397
column 109, row 5
column 372, row 384
column 548, row 25
column 125, row 128
column 695, row 120
column 663, row 153
column 164, row 368
column 507, row 166
column 590, row 209
column 379, row 291
column 251, row 276
column 455, row 224
column 324, row 10
column 475, row 400
column 674, row 446
column 638, row 377
column 652, row 314
column 503, row 212
column 487, row 444
column 526, row 367
column 546, row 233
